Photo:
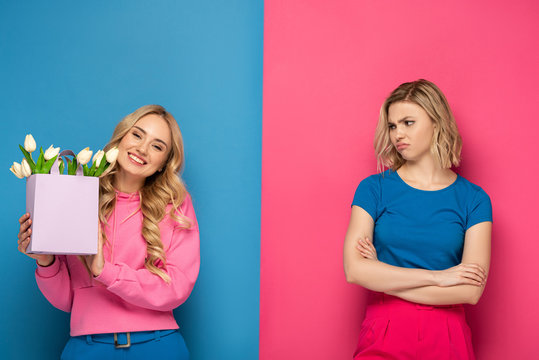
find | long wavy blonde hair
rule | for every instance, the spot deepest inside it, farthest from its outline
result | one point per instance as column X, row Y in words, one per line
column 446, row 142
column 160, row 189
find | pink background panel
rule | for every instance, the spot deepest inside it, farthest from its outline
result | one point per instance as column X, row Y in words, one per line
column 328, row 65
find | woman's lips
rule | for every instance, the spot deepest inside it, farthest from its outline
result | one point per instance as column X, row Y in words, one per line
column 136, row 159
column 402, row 146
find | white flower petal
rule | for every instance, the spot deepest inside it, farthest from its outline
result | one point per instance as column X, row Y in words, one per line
column 112, row 155
column 84, row 156
column 29, row 143
column 51, row 152
column 25, row 168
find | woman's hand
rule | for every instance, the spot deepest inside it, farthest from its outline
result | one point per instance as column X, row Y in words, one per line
column 96, row 262
column 24, row 240
column 366, row 249
column 462, row 274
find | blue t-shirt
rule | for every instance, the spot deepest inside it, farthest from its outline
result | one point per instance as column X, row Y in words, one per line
column 417, row 228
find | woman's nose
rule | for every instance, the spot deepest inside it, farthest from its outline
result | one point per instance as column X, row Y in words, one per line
column 399, row 133
column 143, row 148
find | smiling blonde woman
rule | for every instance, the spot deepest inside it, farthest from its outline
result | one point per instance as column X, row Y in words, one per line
column 419, row 234
column 121, row 299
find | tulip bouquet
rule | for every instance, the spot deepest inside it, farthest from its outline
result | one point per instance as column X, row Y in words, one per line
column 46, row 159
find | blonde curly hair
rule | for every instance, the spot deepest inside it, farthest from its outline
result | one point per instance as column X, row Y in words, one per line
column 446, row 142
column 160, row 189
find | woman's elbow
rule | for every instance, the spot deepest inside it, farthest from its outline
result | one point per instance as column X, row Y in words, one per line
column 474, row 296
column 350, row 276
column 350, row 279
column 353, row 277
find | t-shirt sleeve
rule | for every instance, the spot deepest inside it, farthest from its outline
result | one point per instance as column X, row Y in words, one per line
column 480, row 209
column 367, row 196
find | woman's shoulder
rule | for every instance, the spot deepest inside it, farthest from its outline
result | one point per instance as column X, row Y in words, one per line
column 478, row 203
column 185, row 213
column 373, row 186
column 186, row 204
column 466, row 185
column 379, row 179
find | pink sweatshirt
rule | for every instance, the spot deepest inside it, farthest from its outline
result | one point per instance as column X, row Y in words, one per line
column 126, row 296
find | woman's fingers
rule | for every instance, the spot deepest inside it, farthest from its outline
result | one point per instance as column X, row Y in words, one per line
column 472, row 279
column 480, row 269
column 25, row 225
column 476, row 276
column 24, row 218
column 23, row 245
column 462, row 274
column 24, row 236
column 366, row 243
column 366, row 249
column 472, row 274
column 476, row 270
column 367, row 255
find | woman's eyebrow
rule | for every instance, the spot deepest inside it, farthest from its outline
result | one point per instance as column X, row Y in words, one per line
column 144, row 132
column 406, row 118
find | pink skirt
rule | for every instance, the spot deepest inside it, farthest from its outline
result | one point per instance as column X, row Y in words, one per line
column 397, row 329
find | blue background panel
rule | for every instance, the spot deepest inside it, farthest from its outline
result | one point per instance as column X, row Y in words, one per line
column 69, row 71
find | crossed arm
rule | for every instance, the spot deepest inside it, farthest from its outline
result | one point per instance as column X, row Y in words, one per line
column 463, row 283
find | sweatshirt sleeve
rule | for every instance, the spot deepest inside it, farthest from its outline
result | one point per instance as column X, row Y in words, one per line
column 55, row 284
column 142, row 288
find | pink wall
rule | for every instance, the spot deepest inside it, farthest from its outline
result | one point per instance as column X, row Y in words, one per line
column 328, row 66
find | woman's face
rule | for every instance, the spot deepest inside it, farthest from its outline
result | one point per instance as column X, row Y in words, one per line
column 143, row 151
column 410, row 129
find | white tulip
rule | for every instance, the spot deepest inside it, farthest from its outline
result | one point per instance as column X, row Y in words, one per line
column 112, row 155
column 51, row 152
column 29, row 143
column 25, row 168
column 97, row 157
column 16, row 169
column 84, row 156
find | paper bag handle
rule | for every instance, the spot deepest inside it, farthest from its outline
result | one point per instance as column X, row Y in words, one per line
column 55, row 170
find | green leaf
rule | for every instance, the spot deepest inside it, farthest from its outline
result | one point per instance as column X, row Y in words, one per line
column 28, row 158
column 102, row 166
column 85, row 170
column 74, row 165
column 48, row 165
column 69, row 167
column 40, row 161
column 92, row 170
column 61, row 167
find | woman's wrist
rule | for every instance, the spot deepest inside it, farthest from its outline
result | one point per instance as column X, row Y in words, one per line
column 440, row 278
column 434, row 277
column 46, row 262
column 97, row 270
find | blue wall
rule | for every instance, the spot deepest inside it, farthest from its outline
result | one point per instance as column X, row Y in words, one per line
column 69, row 71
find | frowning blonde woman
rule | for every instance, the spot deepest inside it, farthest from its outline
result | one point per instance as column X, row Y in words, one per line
column 419, row 235
column 121, row 299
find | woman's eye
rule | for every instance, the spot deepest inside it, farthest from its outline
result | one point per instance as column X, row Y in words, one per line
column 158, row 148
column 408, row 123
column 391, row 127
column 136, row 135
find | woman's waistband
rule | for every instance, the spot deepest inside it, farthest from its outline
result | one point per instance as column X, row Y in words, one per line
column 383, row 302
column 126, row 339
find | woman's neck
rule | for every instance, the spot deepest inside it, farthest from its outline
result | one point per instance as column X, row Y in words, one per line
column 426, row 174
column 126, row 185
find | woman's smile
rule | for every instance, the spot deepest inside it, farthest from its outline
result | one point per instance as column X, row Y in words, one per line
column 137, row 159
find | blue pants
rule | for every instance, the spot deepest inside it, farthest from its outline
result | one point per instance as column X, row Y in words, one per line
column 165, row 344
